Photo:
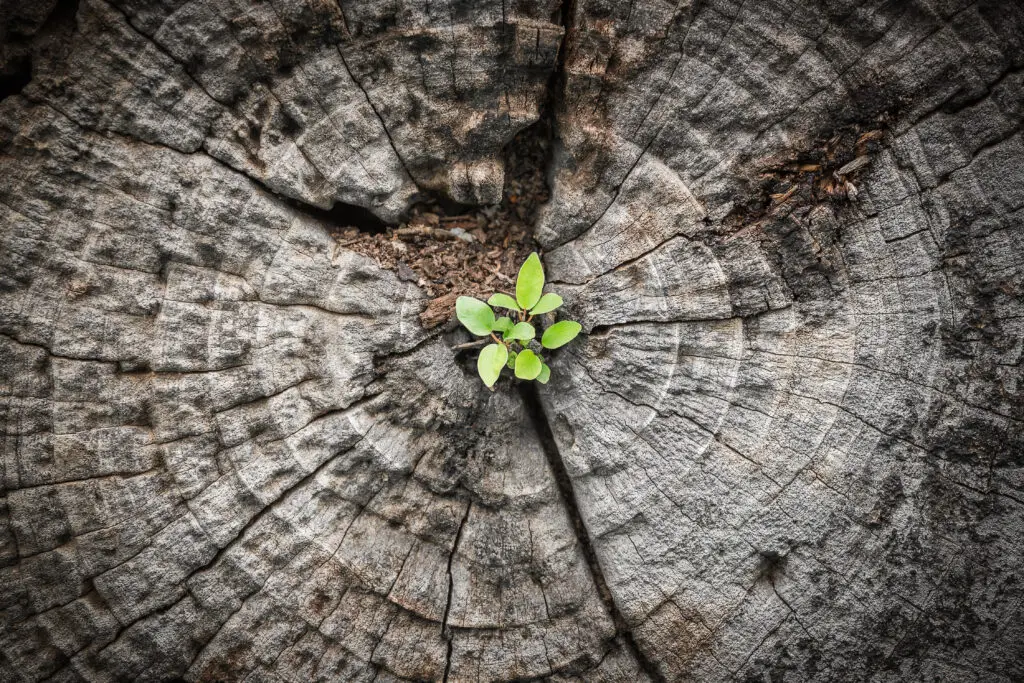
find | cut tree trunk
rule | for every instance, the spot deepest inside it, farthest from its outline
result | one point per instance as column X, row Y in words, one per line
column 789, row 447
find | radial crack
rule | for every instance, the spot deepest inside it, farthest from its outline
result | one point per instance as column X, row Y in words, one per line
column 535, row 410
column 376, row 113
column 445, row 631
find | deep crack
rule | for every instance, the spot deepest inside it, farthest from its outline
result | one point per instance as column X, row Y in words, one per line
column 535, row 411
column 14, row 79
column 340, row 215
column 22, row 43
column 445, row 631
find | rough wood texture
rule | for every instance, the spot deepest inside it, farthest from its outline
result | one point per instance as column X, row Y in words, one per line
column 789, row 448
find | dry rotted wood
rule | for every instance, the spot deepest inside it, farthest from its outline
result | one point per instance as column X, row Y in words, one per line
column 789, row 447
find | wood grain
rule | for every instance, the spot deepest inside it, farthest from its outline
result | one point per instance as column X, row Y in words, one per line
column 788, row 447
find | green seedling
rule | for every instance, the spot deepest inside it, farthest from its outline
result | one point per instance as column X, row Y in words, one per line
column 514, row 334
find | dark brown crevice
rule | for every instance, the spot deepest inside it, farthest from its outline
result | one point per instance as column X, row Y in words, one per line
column 530, row 395
column 450, row 249
column 566, row 13
column 535, row 412
column 15, row 78
column 24, row 42
column 825, row 172
column 445, row 630
column 556, row 91
column 340, row 215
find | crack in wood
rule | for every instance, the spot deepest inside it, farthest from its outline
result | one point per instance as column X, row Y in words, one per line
column 376, row 112
column 445, row 630
column 538, row 418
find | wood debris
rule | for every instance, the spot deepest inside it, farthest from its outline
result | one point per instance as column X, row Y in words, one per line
column 472, row 252
column 826, row 172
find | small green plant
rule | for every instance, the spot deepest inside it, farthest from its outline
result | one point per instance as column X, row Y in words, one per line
column 512, row 348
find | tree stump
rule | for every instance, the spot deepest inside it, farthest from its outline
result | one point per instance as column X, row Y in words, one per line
column 788, row 447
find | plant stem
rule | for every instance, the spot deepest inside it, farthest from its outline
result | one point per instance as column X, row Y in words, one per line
column 469, row 345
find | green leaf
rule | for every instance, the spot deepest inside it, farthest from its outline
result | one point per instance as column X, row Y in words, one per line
column 475, row 315
column 530, row 282
column 522, row 332
column 491, row 361
column 528, row 365
column 503, row 325
column 547, row 303
column 560, row 334
column 500, row 300
column 511, row 360
column 545, row 373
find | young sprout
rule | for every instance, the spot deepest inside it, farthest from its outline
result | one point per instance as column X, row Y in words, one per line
column 514, row 335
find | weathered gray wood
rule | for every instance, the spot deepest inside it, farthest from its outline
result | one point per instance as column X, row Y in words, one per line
column 797, row 445
column 789, row 447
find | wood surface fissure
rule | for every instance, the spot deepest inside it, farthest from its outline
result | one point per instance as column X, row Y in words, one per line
column 530, row 396
column 535, row 411
column 445, row 628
